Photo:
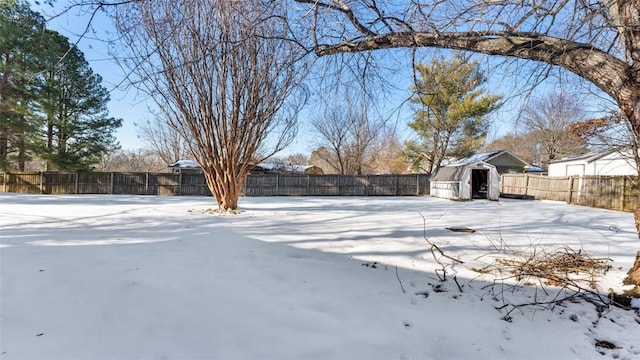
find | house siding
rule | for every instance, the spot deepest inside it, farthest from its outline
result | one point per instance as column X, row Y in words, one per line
column 611, row 164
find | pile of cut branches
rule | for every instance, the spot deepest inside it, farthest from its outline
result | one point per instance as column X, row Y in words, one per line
column 563, row 267
column 573, row 272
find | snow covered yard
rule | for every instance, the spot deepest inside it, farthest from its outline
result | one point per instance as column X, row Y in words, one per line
column 121, row 277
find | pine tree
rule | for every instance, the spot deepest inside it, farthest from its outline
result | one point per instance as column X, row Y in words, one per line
column 20, row 49
column 450, row 114
column 52, row 105
column 78, row 130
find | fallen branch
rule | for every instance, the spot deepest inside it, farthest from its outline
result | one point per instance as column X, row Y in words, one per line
column 400, row 281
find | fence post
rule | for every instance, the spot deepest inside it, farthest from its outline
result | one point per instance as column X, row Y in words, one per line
column 75, row 185
column 41, row 182
column 622, row 193
column 366, row 185
column 526, row 186
column 4, row 182
column 417, row 184
column 111, row 187
column 180, row 183
column 308, row 185
column 395, row 186
column 146, row 184
column 570, row 190
column 277, row 184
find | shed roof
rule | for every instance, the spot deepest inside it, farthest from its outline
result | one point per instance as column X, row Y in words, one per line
column 487, row 157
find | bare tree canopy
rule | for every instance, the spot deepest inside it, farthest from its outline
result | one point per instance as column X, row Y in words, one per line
column 548, row 121
column 167, row 143
column 226, row 74
column 598, row 41
column 348, row 136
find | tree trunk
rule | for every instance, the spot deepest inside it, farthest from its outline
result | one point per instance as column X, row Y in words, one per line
column 633, row 276
column 225, row 188
column 4, row 144
column 22, row 152
column 230, row 199
column 631, row 108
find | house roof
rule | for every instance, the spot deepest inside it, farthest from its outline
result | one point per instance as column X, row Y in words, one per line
column 184, row 164
column 590, row 156
column 534, row 169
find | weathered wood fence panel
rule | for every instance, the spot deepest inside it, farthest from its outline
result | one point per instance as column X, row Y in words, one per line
column 608, row 192
column 164, row 184
column 195, row 184
column 95, row 183
column 332, row 185
column 130, row 183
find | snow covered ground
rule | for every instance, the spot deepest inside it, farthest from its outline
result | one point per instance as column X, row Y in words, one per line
column 122, row 277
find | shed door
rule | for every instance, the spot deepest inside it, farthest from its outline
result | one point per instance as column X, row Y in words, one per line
column 479, row 183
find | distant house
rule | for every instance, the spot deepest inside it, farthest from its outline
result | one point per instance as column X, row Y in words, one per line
column 466, row 181
column 502, row 160
column 273, row 168
column 608, row 162
column 185, row 167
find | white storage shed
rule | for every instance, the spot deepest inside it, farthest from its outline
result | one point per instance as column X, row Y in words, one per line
column 478, row 180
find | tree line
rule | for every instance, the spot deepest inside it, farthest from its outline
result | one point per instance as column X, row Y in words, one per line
column 52, row 105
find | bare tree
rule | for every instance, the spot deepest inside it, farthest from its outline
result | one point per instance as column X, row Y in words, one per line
column 523, row 146
column 168, row 144
column 348, row 135
column 323, row 158
column 598, row 41
column 227, row 74
column 296, row 159
column 547, row 120
column 388, row 154
column 140, row 160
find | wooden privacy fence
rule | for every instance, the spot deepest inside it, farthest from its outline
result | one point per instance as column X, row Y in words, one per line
column 608, row 192
column 195, row 184
column 340, row 185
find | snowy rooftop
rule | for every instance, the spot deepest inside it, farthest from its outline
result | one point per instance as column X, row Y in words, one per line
column 184, row 164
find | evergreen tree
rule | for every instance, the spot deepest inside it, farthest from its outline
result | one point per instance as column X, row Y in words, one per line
column 450, row 114
column 52, row 105
column 20, row 50
column 78, row 130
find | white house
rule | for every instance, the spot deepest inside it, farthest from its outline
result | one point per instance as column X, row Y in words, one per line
column 609, row 162
column 476, row 180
